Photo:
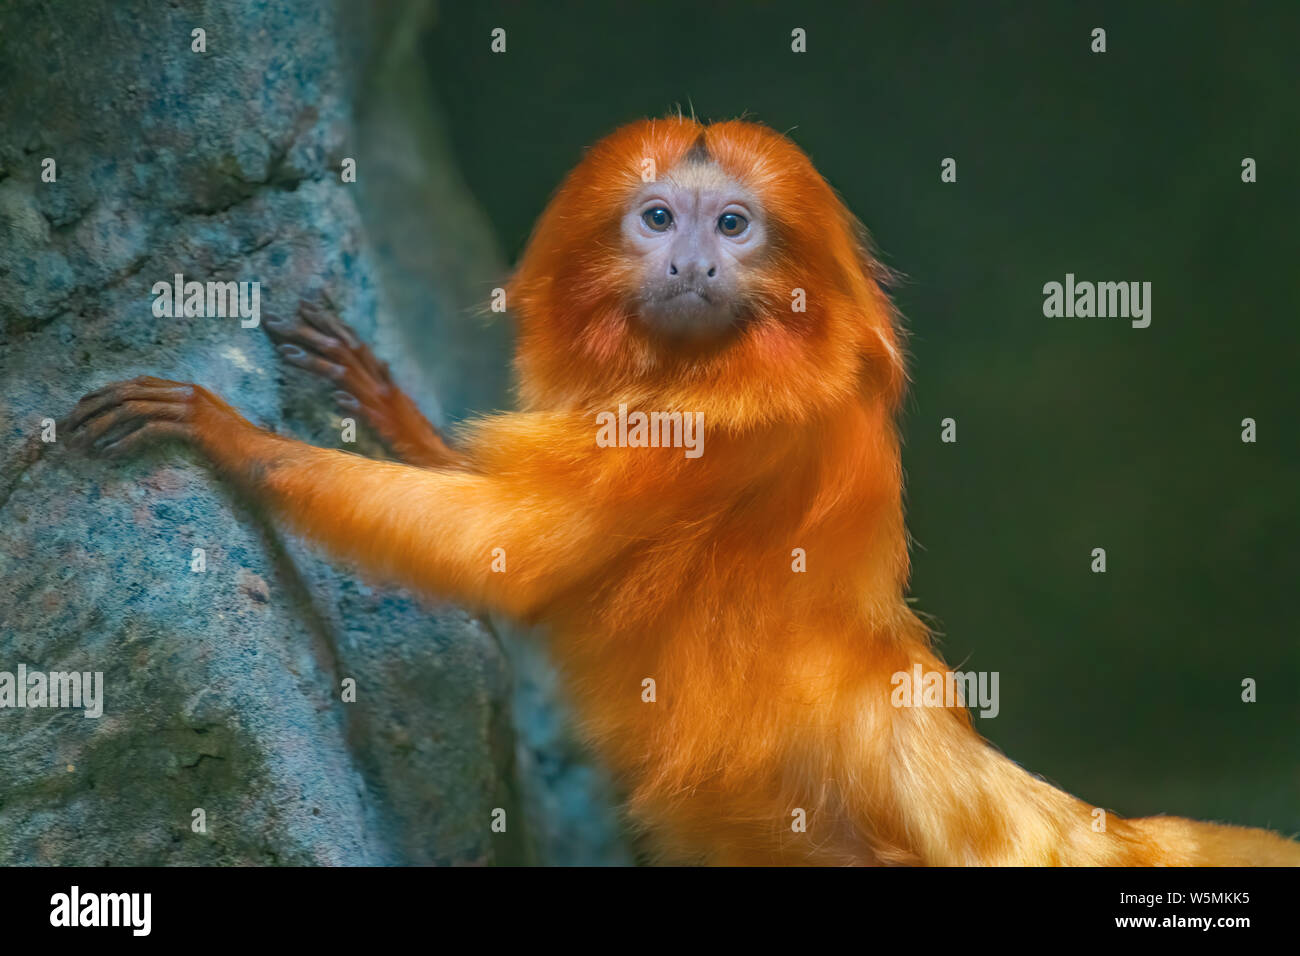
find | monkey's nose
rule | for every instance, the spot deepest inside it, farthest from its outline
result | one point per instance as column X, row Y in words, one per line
column 693, row 269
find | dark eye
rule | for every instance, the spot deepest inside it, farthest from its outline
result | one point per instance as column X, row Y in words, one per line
column 658, row 218
column 732, row 224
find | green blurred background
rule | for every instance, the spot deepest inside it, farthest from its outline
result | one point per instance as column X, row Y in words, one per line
column 1124, row 688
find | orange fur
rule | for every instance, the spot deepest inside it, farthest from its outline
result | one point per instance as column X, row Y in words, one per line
column 773, row 687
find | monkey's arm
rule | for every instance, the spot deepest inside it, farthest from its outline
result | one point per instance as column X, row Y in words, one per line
column 320, row 342
column 437, row 530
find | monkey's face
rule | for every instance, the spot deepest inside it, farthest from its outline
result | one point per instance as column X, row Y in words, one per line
column 694, row 240
column 737, row 281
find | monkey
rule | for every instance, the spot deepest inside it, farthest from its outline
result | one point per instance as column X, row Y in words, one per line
column 743, row 701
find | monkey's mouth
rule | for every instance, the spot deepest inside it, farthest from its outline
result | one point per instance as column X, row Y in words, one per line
column 684, row 304
column 688, row 294
column 688, row 314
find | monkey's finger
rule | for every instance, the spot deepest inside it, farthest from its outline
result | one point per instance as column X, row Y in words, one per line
column 138, row 380
column 325, row 320
column 328, row 322
column 358, row 390
column 299, row 333
column 126, row 416
column 347, row 402
column 144, row 433
column 316, row 364
column 106, row 429
column 379, row 370
column 373, row 413
column 144, row 389
column 100, row 401
column 339, row 347
column 373, row 369
column 355, row 383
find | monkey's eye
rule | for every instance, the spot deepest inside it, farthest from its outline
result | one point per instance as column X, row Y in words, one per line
column 658, row 218
column 732, row 224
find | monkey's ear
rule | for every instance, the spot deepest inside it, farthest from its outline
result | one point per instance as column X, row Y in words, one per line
column 890, row 367
column 869, row 256
column 887, row 359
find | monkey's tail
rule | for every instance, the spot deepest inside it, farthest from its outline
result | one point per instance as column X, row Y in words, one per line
column 1180, row 842
column 962, row 802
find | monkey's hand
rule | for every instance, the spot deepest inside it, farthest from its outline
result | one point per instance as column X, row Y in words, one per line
column 122, row 417
column 318, row 341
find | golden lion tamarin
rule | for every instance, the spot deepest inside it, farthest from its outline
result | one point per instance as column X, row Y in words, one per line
column 687, row 270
